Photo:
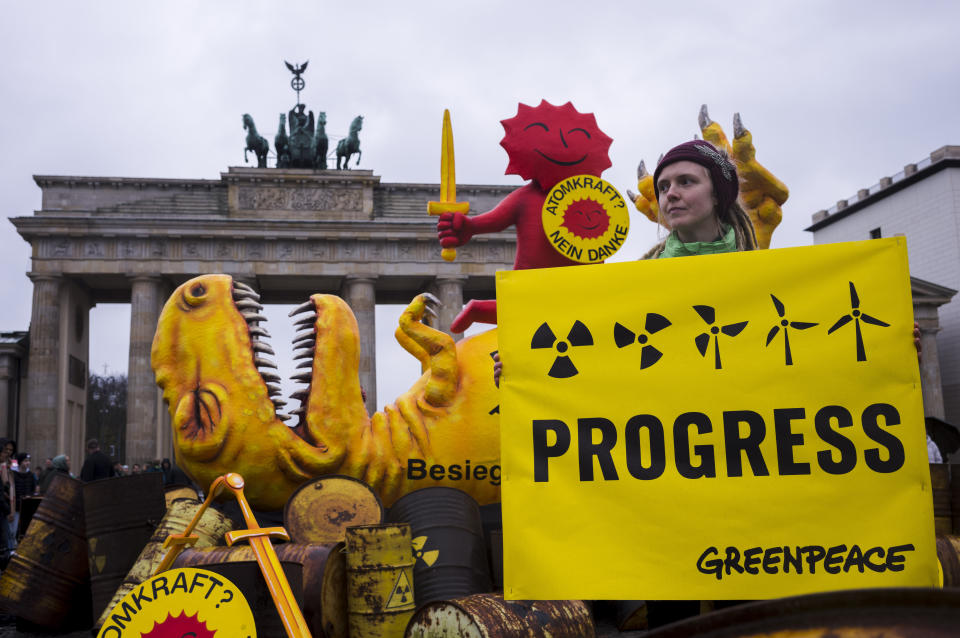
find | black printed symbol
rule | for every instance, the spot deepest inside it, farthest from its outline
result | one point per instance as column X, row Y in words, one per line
column 624, row 337
column 785, row 324
column 856, row 316
column 562, row 367
column 709, row 316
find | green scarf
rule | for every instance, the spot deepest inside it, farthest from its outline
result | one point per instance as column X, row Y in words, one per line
column 676, row 248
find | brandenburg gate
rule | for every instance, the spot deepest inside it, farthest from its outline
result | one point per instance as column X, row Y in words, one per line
column 288, row 233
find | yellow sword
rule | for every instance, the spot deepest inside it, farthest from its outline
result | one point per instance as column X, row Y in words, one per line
column 448, row 183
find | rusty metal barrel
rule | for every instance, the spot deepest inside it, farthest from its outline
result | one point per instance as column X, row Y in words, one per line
column 49, row 567
column 321, row 510
column 380, row 581
column 210, row 530
column 448, row 543
column 490, row 616
column 955, row 498
column 173, row 492
column 914, row 612
column 948, row 553
column 942, row 509
column 317, row 577
column 121, row 514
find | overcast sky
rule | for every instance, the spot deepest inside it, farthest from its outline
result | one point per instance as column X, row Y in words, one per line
column 836, row 94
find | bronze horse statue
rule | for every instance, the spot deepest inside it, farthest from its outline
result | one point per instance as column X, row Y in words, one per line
column 255, row 142
column 351, row 143
column 320, row 143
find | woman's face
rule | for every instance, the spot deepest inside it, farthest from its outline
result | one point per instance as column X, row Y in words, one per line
column 687, row 202
column 7, row 452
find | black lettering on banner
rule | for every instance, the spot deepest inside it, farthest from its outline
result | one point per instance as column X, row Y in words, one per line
column 848, row 451
column 128, row 613
column 480, row 472
column 455, row 473
column 602, row 450
column 416, row 469
column 138, row 597
column 750, row 444
column 634, row 448
column 495, row 475
column 787, row 439
column 542, row 451
column 834, row 559
column 681, row 446
column 110, row 632
column 160, row 584
column 214, row 583
column 872, row 429
column 196, row 577
column 180, row 583
column 437, row 472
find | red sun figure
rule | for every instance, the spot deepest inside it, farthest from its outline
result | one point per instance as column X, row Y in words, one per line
column 180, row 626
column 545, row 144
column 586, row 219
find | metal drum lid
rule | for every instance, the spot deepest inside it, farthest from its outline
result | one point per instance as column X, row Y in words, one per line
column 321, row 510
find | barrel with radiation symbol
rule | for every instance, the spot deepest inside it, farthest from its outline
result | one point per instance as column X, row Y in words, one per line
column 380, row 594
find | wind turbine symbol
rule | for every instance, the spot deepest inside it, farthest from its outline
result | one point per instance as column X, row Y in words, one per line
column 785, row 323
column 709, row 316
column 856, row 316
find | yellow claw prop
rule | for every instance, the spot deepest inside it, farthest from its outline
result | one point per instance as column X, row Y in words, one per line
column 224, row 421
column 448, row 183
column 761, row 193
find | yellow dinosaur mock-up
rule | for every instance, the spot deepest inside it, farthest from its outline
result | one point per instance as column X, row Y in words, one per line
column 761, row 193
column 445, row 430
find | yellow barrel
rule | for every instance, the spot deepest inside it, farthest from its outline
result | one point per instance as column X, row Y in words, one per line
column 210, row 529
column 321, row 510
column 173, row 492
column 379, row 580
column 940, row 481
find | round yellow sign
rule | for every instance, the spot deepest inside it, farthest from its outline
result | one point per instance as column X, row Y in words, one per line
column 585, row 219
column 182, row 602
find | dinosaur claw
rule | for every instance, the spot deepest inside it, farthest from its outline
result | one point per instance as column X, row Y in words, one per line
column 641, row 170
column 431, row 298
column 738, row 129
column 304, row 307
column 704, row 118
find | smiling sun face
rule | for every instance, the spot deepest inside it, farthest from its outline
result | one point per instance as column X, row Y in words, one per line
column 586, row 219
column 550, row 143
column 180, row 626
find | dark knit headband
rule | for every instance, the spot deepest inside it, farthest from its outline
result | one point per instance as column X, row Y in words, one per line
column 723, row 173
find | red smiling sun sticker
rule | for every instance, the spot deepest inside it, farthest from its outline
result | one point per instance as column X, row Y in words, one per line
column 550, row 143
column 180, row 626
column 586, row 218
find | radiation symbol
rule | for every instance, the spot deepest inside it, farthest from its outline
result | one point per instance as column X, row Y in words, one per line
column 99, row 561
column 402, row 594
column 562, row 367
column 428, row 557
column 624, row 337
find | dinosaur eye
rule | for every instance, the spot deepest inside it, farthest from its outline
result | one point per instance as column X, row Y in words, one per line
column 194, row 295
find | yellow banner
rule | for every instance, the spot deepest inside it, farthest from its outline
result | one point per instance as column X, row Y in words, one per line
column 736, row 426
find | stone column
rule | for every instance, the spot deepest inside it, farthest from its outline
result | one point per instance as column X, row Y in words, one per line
column 43, row 395
column 360, row 293
column 142, row 426
column 450, row 292
column 931, row 384
column 8, row 370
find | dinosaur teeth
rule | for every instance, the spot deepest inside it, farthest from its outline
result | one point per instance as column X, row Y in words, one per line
column 308, row 322
column 252, row 316
column 305, row 343
column 259, row 346
column 303, row 353
column 245, row 294
column 303, row 376
column 305, row 364
column 263, row 362
column 304, row 307
column 269, row 376
column 304, row 333
column 248, row 304
column 257, row 330
column 300, row 410
column 273, row 389
column 283, row 417
column 301, row 394
column 241, row 285
column 278, row 402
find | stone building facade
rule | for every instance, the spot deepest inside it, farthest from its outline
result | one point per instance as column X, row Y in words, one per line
column 922, row 203
column 288, row 233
